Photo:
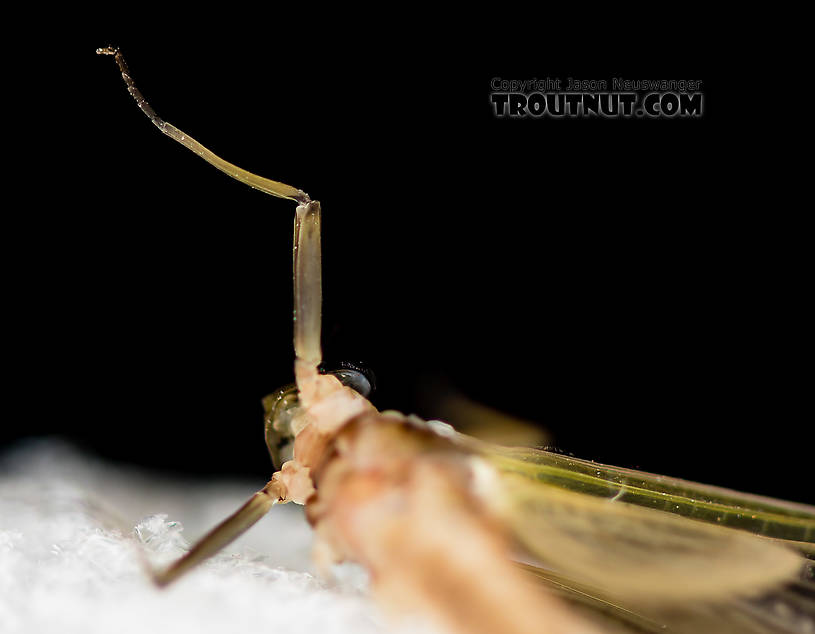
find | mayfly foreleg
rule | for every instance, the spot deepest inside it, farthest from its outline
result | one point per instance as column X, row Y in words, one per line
column 285, row 483
column 308, row 292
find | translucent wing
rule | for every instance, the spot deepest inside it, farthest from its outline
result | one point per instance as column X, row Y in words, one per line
column 638, row 552
column 646, row 551
column 755, row 514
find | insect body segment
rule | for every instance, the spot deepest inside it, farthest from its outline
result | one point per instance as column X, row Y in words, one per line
column 436, row 516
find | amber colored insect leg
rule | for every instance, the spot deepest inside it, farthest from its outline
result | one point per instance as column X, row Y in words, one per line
column 266, row 185
column 227, row 531
column 307, row 333
column 308, row 294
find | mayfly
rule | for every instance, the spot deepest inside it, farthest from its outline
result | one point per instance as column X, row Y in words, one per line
column 487, row 539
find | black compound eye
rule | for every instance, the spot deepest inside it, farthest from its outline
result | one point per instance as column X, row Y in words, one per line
column 357, row 376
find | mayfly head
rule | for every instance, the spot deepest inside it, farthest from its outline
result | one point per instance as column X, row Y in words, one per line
column 281, row 409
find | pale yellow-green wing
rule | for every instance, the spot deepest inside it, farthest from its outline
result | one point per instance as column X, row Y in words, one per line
column 754, row 514
column 636, row 552
column 666, row 551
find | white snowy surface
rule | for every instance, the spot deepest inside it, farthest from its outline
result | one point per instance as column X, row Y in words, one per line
column 70, row 560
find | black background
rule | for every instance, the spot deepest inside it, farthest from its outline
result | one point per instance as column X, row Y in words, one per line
column 632, row 285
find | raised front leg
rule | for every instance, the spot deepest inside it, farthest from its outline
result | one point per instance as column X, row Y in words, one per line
column 308, row 295
column 307, row 331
